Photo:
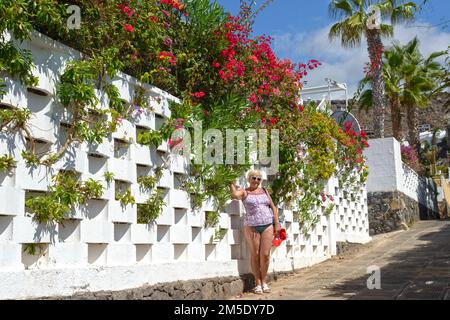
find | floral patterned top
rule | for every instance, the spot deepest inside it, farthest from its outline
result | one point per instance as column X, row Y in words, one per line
column 257, row 209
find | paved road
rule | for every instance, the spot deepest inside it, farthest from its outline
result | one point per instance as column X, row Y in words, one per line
column 414, row 264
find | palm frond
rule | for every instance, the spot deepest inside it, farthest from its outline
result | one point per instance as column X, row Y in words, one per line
column 340, row 9
column 386, row 30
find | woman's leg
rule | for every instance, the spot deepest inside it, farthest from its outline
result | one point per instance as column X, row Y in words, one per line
column 264, row 252
column 253, row 238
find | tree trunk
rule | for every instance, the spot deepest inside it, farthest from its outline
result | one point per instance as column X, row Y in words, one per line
column 413, row 132
column 396, row 117
column 374, row 47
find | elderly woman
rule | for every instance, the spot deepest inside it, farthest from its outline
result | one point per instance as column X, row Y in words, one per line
column 260, row 224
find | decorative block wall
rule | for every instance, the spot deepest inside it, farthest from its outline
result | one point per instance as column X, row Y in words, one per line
column 100, row 245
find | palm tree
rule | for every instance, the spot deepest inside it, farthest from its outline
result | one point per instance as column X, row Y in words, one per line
column 355, row 15
column 410, row 82
column 422, row 81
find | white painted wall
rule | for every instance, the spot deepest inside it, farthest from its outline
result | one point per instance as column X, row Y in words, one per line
column 100, row 246
column 387, row 172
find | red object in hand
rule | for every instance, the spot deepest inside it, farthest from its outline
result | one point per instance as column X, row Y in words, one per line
column 283, row 234
column 278, row 239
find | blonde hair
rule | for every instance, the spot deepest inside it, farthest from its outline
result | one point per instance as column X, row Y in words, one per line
column 253, row 173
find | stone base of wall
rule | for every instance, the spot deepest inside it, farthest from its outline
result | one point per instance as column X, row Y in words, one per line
column 347, row 248
column 205, row 289
column 391, row 211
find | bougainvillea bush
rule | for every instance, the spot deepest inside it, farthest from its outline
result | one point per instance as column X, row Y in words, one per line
column 225, row 76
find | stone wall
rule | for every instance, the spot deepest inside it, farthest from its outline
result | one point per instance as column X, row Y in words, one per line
column 206, row 289
column 390, row 211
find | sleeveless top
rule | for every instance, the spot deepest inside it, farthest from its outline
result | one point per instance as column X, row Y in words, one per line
column 257, row 209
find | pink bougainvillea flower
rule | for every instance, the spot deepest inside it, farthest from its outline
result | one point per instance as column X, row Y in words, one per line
column 128, row 27
column 168, row 42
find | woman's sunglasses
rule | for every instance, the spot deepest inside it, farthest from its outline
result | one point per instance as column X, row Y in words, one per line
column 256, row 179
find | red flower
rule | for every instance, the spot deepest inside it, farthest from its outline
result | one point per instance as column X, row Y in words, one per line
column 198, row 95
column 134, row 56
column 363, row 134
column 253, row 98
column 273, row 121
column 216, row 65
column 300, row 107
column 165, row 55
column 206, row 113
column 154, row 19
column 128, row 27
column 125, row 9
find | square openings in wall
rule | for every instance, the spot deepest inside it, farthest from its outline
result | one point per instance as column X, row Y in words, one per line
column 97, row 164
column 196, row 235
column 121, row 149
column 180, row 252
column 69, row 231
column 41, row 147
column 97, row 209
column 210, row 252
column 289, row 250
column 6, row 228
column 122, row 232
column 181, row 216
column 159, row 121
column 302, row 249
column 145, row 178
column 178, row 180
column 38, row 100
column 97, row 254
column 143, row 253
column 121, row 188
column 35, row 255
column 163, row 233
column 31, row 194
column 142, row 135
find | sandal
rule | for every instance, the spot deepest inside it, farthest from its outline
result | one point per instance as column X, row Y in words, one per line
column 265, row 288
column 258, row 290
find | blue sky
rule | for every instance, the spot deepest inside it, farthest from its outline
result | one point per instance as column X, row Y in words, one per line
column 300, row 28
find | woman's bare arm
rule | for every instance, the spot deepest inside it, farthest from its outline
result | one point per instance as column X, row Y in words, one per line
column 236, row 194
